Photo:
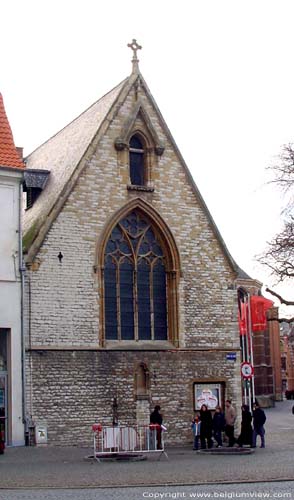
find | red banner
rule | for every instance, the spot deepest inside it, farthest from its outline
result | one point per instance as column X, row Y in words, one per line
column 243, row 315
column 258, row 307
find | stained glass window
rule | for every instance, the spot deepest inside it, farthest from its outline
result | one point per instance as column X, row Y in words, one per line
column 135, row 291
column 144, row 300
column 159, row 291
column 126, row 278
column 110, row 298
column 136, row 162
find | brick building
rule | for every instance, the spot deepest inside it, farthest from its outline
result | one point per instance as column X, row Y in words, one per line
column 130, row 289
column 275, row 349
column 287, row 359
column 266, row 348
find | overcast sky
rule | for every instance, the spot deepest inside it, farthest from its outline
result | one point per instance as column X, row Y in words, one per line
column 221, row 72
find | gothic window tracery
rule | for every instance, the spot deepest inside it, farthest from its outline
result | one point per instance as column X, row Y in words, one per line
column 135, row 281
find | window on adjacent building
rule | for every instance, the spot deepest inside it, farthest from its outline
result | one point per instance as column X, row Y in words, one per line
column 135, row 282
column 35, row 181
column 137, row 161
column 32, row 196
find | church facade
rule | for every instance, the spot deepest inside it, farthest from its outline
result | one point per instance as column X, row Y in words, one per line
column 130, row 290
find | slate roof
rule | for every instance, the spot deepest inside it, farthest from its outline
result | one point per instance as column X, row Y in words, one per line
column 243, row 275
column 62, row 153
column 9, row 156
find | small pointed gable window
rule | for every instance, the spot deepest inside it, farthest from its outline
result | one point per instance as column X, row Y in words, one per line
column 137, row 161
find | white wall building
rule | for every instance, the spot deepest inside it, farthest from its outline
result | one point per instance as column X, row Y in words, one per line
column 11, row 379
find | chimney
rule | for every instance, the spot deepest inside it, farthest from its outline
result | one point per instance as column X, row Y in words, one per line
column 20, row 152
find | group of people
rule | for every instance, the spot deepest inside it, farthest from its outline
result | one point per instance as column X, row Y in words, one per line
column 205, row 427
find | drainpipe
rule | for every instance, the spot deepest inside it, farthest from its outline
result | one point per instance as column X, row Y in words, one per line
column 22, row 275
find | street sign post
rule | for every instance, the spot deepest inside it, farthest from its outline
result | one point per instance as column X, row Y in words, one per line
column 246, row 370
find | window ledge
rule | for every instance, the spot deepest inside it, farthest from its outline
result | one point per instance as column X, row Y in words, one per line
column 132, row 345
column 132, row 187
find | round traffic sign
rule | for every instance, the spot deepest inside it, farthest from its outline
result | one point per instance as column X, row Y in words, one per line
column 246, row 369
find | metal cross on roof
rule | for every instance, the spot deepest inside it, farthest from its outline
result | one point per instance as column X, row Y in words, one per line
column 135, row 46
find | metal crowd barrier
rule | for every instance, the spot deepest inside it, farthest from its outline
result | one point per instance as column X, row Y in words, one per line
column 126, row 440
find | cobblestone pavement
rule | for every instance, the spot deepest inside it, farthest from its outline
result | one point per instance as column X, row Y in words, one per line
column 273, row 490
column 37, row 467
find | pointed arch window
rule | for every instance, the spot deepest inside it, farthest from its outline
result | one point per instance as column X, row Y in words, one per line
column 135, row 282
column 137, row 161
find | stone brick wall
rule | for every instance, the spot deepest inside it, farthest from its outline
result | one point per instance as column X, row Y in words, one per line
column 74, row 389
column 65, row 296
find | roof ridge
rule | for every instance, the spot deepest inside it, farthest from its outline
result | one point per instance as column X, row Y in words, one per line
column 64, row 154
column 9, row 156
column 76, row 118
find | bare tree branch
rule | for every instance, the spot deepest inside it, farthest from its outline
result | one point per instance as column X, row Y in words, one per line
column 279, row 254
column 281, row 299
column 282, row 320
column 283, row 168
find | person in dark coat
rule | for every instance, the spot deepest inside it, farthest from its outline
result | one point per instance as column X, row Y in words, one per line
column 218, row 425
column 206, row 427
column 259, row 419
column 2, row 420
column 246, row 427
column 2, row 444
column 156, row 419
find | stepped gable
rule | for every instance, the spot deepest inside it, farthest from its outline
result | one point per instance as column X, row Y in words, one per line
column 9, row 156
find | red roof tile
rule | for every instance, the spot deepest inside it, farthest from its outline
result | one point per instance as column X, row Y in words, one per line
column 9, row 157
